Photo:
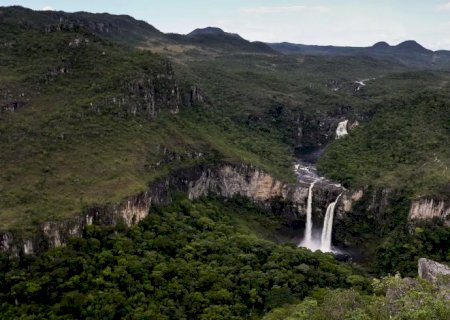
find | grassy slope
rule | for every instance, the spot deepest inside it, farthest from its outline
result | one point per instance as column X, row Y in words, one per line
column 60, row 157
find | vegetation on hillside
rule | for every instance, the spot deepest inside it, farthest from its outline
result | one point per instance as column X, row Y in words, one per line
column 80, row 134
column 73, row 141
column 393, row 298
column 403, row 147
column 191, row 260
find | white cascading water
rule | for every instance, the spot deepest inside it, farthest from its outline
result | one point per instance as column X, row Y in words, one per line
column 307, row 239
column 341, row 130
column 310, row 239
column 327, row 230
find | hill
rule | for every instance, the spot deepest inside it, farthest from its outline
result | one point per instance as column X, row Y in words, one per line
column 126, row 30
column 85, row 121
column 68, row 90
column 408, row 52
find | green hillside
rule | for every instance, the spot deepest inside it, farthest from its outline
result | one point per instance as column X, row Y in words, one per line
column 84, row 129
column 405, row 146
column 77, row 128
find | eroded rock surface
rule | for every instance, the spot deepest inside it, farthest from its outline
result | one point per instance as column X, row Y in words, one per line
column 426, row 209
column 226, row 180
column 431, row 270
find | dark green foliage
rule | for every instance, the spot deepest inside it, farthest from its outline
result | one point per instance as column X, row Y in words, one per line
column 394, row 299
column 385, row 241
column 82, row 134
column 186, row 261
column 404, row 146
column 402, row 248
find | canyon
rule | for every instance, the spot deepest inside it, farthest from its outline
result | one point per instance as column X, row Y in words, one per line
column 312, row 200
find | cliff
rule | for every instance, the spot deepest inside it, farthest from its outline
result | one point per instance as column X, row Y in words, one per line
column 427, row 209
column 225, row 180
column 431, row 270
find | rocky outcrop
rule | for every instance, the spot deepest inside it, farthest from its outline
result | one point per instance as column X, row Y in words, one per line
column 148, row 94
column 224, row 180
column 348, row 200
column 426, row 209
column 377, row 201
column 314, row 132
column 431, row 270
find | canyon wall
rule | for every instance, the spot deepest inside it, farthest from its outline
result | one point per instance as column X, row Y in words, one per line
column 224, row 180
column 427, row 209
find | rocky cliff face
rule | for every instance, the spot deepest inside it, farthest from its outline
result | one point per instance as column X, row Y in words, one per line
column 348, row 200
column 224, row 180
column 431, row 270
column 148, row 95
column 426, row 209
column 364, row 214
column 381, row 199
column 317, row 132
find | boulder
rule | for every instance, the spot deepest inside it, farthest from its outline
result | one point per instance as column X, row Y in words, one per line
column 431, row 270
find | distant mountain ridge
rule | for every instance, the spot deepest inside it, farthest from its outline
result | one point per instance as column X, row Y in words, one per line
column 408, row 52
column 289, row 48
column 211, row 31
column 128, row 31
column 217, row 38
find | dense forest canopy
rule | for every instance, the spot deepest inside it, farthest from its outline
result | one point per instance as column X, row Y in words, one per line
column 186, row 261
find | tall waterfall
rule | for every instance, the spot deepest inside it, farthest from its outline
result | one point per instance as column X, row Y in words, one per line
column 312, row 239
column 307, row 240
column 327, row 230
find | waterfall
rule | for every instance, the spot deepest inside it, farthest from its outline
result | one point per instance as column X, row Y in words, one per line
column 327, row 229
column 341, row 130
column 307, row 239
column 313, row 240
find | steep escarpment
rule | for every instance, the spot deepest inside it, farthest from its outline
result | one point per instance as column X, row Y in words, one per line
column 149, row 95
column 86, row 123
column 225, row 180
column 428, row 209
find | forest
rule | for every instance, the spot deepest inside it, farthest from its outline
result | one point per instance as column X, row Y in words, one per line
column 190, row 260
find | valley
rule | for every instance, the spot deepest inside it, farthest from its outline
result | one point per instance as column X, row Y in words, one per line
column 151, row 175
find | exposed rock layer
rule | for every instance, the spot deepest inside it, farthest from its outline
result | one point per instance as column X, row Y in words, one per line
column 426, row 209
column 224, row 180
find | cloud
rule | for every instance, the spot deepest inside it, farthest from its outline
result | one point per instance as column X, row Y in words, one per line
column 444, row 7
column 47, row 8
column 283, row 9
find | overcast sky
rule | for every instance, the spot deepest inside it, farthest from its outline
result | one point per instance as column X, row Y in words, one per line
column 334, row 22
